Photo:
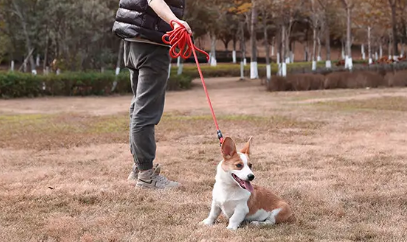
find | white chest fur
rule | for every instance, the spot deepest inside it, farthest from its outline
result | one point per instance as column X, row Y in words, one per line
column 228, row 198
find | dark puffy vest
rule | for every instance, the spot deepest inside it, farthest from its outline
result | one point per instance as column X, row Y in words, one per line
column 135, row 18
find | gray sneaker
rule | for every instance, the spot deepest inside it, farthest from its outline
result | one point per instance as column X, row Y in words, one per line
column 133, row 176
column 153, row 180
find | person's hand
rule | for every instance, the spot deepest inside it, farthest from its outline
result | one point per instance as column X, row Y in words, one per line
column 185, row 24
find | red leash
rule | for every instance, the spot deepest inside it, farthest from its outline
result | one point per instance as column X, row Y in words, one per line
column 181, row 39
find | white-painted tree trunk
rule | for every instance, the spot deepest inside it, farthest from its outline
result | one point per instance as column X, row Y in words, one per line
column 272, row 50
column 169, row 71
column 254, row 73
column 381, row 51
column 213, row 61
column 37, row 60
column 278, row 58
column 346, row 62
column 241, row 70
column 178, row 61
column 244, row 62
column 284, row 69
column 314, row 65
column 349, row 63
column 12, row 66
column 363, row 52
column 180, row 69
column 369, row 44
column 328, row 64
column 234, row 56
column 376, row 55
column 268, row 72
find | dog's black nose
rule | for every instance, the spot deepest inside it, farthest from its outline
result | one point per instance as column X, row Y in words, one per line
column 250, row 177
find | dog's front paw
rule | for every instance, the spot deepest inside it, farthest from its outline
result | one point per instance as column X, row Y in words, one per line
column 256, row 223
column 232, row 227
column 206, row 222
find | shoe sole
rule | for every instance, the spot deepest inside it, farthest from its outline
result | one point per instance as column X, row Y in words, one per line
column 138, row 186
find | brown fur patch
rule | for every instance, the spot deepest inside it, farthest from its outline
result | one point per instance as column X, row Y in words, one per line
column 262, row 198
column 231, row 163
column 231, row 159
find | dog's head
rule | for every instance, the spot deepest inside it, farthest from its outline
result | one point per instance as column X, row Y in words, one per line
column 237, row 164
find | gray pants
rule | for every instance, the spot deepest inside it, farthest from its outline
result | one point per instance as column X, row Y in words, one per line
column 148, row 65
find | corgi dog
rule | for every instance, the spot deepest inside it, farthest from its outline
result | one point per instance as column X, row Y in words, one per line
column 239, row 200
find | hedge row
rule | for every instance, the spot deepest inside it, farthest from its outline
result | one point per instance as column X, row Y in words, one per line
column 14, row 85
column 335, row 80
column 18, row 84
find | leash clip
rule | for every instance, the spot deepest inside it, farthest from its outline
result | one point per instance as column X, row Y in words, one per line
column 220, row 136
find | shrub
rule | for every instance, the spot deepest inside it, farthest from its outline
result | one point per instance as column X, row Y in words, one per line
column 14, row 85
column 340, row 79
column 396, row 79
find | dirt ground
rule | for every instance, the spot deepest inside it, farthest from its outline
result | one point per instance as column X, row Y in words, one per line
column 338, row 157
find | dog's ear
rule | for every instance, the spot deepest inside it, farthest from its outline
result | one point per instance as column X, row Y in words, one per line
column 246, row 148
column 228, row 148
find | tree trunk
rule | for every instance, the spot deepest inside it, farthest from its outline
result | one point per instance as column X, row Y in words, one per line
column 44, row 66
column 314, row 48
column 27, row 37
column 306, row 49
column 283, row 51
column 319, row 49
column 242, row 43
column 314, row 36
column 213, row 50
column 273, row 43
column 267, row 47
column 253, row 62
column 389, row 48
column 393, row 6
column 328, row 63
column 119, row 57
column 234, row 50
column 369, row 44
column 349, row 37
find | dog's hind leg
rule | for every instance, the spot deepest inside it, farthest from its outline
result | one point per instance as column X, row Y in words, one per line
column 285, row 215
column 266, row 222
column 271, row 219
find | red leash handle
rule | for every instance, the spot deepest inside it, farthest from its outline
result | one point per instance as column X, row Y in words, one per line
column 181, row 39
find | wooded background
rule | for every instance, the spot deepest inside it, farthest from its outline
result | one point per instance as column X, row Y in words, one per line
column 78, row 33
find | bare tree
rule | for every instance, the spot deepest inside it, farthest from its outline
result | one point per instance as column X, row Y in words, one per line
column 348, row 5
column 21, row 16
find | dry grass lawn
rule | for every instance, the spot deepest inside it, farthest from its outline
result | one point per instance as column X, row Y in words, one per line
column 339, row 157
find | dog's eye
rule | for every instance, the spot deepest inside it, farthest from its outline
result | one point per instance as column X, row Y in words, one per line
column 250, row 166
column 239, row 165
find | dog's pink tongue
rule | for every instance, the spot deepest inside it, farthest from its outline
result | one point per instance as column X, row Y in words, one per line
column 248, row 186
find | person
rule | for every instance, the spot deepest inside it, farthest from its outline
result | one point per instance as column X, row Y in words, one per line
column 141, row 24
